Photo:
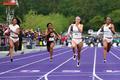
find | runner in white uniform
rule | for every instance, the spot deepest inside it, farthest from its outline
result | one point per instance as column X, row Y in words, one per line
column 75, row 30
column 107, row 34
column 108, row 31
column 13, row 38
column 13, row 33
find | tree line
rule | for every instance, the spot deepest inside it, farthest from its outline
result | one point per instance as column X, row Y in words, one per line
column 92, row 12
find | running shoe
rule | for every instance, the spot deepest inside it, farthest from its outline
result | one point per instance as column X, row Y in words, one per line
column 11, row 60
column 74, row 57
column 22, row 52
column 104, row 60
column 51, row 59
column 78, row 63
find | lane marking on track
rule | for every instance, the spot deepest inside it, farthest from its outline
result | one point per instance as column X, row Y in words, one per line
column 29, row 71
column 115, row 49
column 94, row 67
column 71, row 71
column 115, row 55
column 34, row 76
column 112, row 71
column 108, row 71
column 46, row 75
column 29, row 57
column 1, row 73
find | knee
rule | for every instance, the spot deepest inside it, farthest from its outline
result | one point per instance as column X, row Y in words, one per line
column 79, row 50
column 105, row 47
column 51, row 45
column 11, row 46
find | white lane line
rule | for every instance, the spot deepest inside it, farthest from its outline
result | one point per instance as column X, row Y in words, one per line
column 115, row 55
column 1, row 73
column 94, row 67
column 54, row 69
column 29, row 56
column 46, row 75
column 116, row 49
column 71, row 71
column 34, row 76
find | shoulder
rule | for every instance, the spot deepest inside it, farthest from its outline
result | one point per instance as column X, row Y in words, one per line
column 104, row 25
column 80, row 25
column 72, row 25
column 10, row 25
column 112, row 25
column 46, row 30
column 17, row 26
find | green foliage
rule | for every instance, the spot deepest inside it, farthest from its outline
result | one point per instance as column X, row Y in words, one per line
column 86, row 9
column 115, row 15
column 2, row 12
column 2, row 19
column 96, row 22
column 32, row 20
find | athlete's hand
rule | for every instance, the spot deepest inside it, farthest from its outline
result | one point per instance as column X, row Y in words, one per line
column 7, row 32
column 59, row 37
column 110, row 27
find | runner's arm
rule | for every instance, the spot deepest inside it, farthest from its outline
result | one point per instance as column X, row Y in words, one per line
column 112, row 28
column 80, row 28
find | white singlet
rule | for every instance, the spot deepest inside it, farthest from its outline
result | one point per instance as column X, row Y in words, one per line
column 107, row 33
column 13, row 29
column 76, row 34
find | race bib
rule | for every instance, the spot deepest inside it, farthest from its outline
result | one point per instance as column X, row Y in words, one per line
column 76, row 35
column 12, row 34
column 51, row 39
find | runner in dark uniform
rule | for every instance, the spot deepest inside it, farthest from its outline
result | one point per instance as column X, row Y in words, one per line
column 51, row 37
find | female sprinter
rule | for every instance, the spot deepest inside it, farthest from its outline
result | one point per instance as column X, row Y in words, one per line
column 13, row 38
column 108, row 31
column 51, row 36
column 75, row 30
